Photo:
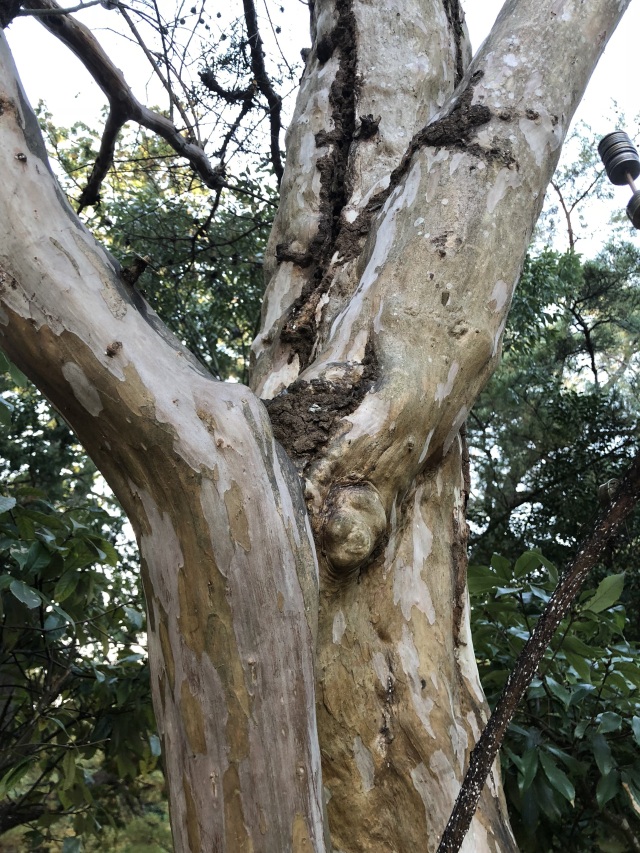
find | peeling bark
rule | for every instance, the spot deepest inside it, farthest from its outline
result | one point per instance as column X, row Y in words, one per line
column 234, row 695
column 412, row 184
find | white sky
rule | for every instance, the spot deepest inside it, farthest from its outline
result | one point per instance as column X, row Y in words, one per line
column 51, row 73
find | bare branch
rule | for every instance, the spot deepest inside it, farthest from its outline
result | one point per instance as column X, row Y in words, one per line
column 264, row 84
column 91, row 193
column 567, row 215
column 124, row 105
column 156, row 68
column 37, row 13
column 231, row 96
column 608, row 523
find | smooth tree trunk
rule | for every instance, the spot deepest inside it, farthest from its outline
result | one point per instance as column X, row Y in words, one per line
column 308, row 605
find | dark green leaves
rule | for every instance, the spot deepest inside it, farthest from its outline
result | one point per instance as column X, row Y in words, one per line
column 76, row 703
column 608, row 592
column 573, row 745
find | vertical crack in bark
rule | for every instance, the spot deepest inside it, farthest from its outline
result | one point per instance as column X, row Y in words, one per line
column 455, row 17
column 335, row 235
column 453, row 130
column 459, row 555
column 335, row 184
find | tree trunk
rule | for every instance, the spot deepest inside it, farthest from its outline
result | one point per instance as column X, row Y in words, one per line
column 412, row 184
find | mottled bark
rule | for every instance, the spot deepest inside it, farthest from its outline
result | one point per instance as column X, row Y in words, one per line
column 412, row 184
column 383, row 320
column 215, row 504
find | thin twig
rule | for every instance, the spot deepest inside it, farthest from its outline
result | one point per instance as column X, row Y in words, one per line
column 165, row 82
column 36, row 13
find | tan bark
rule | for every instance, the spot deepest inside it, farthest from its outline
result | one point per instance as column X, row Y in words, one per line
column 413, row 181
column 414, row 317
column 215, row 505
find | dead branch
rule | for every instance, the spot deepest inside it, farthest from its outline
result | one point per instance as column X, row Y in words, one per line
column 486, row 749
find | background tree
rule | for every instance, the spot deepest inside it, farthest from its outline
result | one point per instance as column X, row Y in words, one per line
column 76, row 725
column 382, row 321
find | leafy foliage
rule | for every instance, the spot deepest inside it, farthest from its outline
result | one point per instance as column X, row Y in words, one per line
column 205, row 250
column 560, row 416
column 571, row 761
column 76, row 727
column 37, row 449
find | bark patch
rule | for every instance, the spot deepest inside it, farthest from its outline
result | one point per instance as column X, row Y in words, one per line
column 305, row 415
column 191, row 712
column 236, row 835
column 193, row 826
column 238, row 524
column 453, row 130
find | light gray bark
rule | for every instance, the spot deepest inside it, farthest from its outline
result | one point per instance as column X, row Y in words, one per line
column 215, row 505
column 412, row 184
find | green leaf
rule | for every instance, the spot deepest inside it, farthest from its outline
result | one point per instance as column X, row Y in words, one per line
column 13, row 777
column 606, row 595
column 530, row 768
column 72, row 845
column 63, row 614
column 68, row 769
column 580, row 693
column 26, row 594
column 580, row 729
column 580, row 665
column 577, row 647
column 551, row 569
column 135, row 617
column 18, row 376
column 608, row 786
column 602, row 754
column 557, row 777
column 6, row 411
column 66, row 585
column 558, row 691
column 526, row 563
column 609, row 721
column 6, row 504
column 635, row 726
column 481, row 579
column 502, row 566
column 37, row 558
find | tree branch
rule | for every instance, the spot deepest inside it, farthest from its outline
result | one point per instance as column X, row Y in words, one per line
column 37, row 13
column 486, row 749
column 124, row 105
column 264, row 84
column 164, row 80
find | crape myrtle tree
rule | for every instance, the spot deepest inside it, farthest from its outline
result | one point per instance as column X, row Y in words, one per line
column 303, row 539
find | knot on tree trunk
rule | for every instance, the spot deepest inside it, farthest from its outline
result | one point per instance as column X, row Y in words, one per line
column 353, row 527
